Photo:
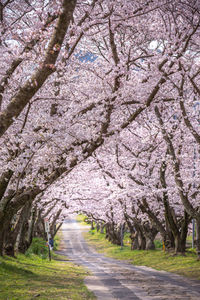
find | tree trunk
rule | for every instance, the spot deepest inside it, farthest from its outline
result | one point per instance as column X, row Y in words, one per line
column 10, row 232
column 134, row 240
column 134, row 234
column 113, row 234
column 39, row 230
column 26, row 230
column 8, row 239
column 167, row 238
column 142, row 240
column 150, row 233
column 198, row 237
column 184, row 231
column 97, row 226
column 1, row 242
column 92, row 225
column 102, row 226
column 14, row 229
column 53, row 223
column 28, row 90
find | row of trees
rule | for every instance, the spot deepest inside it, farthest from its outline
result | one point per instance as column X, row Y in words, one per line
column 104, row 86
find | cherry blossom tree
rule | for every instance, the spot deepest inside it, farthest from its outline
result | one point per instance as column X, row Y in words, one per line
column 57, row 110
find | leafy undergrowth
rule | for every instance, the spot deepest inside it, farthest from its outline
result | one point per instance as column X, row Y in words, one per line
column 40, row 248
column 33, row 277
column 157, row 259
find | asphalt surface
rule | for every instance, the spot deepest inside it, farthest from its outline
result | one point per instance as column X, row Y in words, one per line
column 113, row 279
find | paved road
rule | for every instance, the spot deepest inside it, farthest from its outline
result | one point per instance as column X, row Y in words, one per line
column 112, row 279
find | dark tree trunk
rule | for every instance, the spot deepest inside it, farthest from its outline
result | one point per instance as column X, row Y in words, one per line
column 198, row 237
column 14, row 229
column 26, row 230
column 92, row 225
column 134, row 240
column 169, row 242
column 14, row 203
column 39, row 228
column 53, row 223
column 9, row 239
column 23, row 243
column 167, row 237
column 113, row 234
column 102, row 226
column 97, row 226
column 142, row 240
column 1, row 242
column 179, row 232
column 150, row 233
column 134, row 235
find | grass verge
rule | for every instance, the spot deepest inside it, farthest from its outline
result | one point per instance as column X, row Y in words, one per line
column 183, row 265
column 30, row 277
column 81, row 219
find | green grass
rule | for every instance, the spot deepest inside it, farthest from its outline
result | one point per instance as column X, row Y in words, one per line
column 33, row 277
column 157, row 259
column 81, row 219
column 38, row 247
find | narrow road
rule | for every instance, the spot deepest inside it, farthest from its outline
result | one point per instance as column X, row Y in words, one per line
column 112, row 279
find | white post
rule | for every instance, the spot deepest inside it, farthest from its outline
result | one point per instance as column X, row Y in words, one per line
column 46, row 225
